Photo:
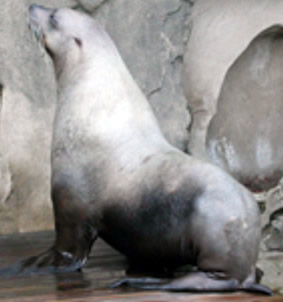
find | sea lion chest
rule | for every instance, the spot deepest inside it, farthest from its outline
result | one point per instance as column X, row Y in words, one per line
column 149, row 221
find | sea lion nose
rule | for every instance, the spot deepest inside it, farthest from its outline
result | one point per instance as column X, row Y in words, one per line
column 33, row 7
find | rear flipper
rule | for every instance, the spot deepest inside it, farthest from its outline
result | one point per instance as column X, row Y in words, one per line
column 142, row 283
column 256, row 288
column 193, row 282
column 50, row 261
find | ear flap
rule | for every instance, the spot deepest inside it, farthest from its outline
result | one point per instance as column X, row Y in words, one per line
column 78, row 42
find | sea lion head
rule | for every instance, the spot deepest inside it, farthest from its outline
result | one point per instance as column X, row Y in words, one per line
column 61, row 31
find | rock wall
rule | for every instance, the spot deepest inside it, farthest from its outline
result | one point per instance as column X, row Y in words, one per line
column 150, row 36
column 27, row 106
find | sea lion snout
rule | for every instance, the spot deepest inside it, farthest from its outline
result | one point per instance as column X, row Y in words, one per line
column 33, row 7
column 38, row 17
column 36, row 12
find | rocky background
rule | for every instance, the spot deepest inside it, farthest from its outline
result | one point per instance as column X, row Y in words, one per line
column 151, row 36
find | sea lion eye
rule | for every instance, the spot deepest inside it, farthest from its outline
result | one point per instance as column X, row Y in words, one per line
column 78, row 42
column 53, row 21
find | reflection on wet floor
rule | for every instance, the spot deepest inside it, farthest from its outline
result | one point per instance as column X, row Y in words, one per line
column 92, row 284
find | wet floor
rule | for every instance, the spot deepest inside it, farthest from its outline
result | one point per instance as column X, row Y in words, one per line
column 104, row 267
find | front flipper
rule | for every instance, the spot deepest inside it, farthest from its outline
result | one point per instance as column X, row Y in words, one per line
column 48, row 262
column 69, row 253
column 199, row 282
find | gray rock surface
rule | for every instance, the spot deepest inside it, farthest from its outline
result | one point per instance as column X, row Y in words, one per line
column 27, row 105
column 90, row 5
column 271, row 263
column 150, row 36
column 272, row 218
column 271, row 253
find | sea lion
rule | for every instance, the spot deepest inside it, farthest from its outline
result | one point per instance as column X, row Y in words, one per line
column 115, row 176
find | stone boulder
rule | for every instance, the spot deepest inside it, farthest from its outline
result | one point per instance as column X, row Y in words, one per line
column 245, row 134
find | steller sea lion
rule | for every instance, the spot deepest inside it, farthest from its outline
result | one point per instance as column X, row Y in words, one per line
column 115, row 176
